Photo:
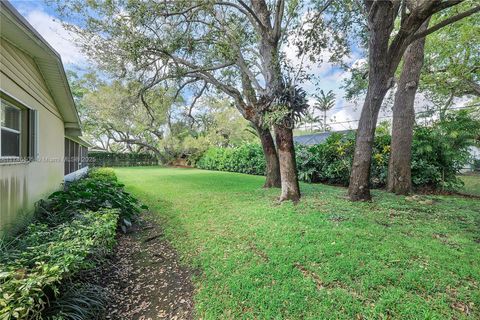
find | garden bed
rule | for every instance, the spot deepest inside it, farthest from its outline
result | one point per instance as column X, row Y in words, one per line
column 73, row 230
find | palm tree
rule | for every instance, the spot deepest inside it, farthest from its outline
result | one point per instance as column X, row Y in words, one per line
column 325, row 102
column 309, row 118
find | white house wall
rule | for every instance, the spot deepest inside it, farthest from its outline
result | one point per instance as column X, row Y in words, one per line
column 23, row 184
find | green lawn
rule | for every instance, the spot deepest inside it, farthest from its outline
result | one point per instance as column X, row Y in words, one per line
column 472, row 184
column 325, row 258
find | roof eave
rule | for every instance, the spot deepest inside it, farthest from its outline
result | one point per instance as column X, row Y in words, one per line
column 49, row 63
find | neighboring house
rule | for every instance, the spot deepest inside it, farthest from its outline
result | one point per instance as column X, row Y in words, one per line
column 317, row 138
column 40, row 128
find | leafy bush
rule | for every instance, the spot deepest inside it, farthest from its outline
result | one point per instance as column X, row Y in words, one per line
column 438, row 153
column 100, row 189
column 247, row 158
column 34, row 264
column 102, row 174
column 78, row 301
column 328, row 162
column 113, row 159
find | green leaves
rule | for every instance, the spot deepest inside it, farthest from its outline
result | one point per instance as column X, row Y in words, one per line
column 247, row 158
column 99, row 190
column 327, row 162
column 438, row 153
column 37, row 261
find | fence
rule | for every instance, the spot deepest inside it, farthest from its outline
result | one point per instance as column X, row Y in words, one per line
column 111, row 159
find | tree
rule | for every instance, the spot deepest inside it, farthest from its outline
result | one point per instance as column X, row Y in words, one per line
column 325, row 102
column 462, row 81
column 449, row 73
column 309, row 118
column 198, row 45
column 385, row 52
column 399, row 166
column 451, row 67
column 217, row 124
column 114, row 117
column 231, row 46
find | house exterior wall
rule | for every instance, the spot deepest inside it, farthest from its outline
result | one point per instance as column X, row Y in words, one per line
column 24, row 183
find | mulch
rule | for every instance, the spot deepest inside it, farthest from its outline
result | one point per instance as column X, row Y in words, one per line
column 144, row 279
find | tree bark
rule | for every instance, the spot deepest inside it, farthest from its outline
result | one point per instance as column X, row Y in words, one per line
column 358, row 189
column 399, row 166
column 380, row 79
column 385, row 53
column 288, row 165
column 273, row 179
column 269, row 31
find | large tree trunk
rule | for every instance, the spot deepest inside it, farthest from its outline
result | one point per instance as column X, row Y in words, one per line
column 273, row 167
column 381, row 70
column 358, row 189
column 399, row 166
column 288, row 165
column 270, row 33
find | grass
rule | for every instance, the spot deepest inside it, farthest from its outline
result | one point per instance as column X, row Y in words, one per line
column 325, row 258
column 472, row 184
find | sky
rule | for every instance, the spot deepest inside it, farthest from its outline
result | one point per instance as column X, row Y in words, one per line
column 45, row 20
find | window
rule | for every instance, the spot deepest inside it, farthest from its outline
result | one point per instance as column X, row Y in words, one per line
column 18, row 132
column 10, row 130
column 75, row 156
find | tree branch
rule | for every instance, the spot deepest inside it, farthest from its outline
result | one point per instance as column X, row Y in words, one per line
column 124, row 139
column 183, row 85
column 277, row 28
column 445, row 22
column 444, row 5
column 246, row 10
column 474, row 86
column 190, row 109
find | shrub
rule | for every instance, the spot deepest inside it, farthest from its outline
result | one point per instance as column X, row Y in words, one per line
column 102, row 174
column 113, row 159
column 100, row 189
column 33, row 266
column 438, row 153
column 247, row 158
column 328, row 162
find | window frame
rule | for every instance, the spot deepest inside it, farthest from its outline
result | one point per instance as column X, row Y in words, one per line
column 26, row 144
column 20, row 131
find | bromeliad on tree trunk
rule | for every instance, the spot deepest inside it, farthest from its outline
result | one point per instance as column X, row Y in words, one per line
column 233, row 46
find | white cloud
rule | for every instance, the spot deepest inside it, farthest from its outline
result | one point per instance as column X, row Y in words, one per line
column 328, row 76
column 57, row 36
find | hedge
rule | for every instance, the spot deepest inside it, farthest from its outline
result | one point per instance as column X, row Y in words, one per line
column 247, row 158
column 436, row 159
column 113, row 159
